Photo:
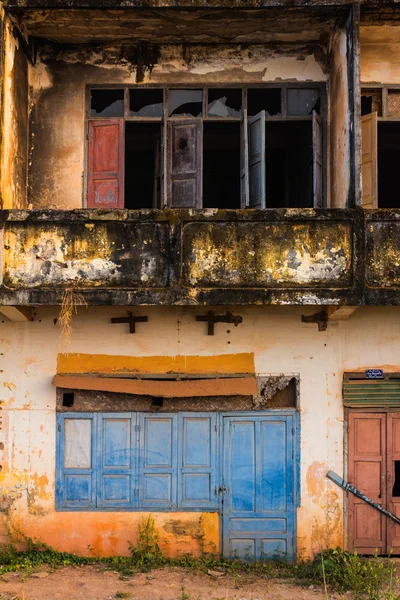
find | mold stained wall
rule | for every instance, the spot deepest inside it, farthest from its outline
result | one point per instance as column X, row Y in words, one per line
column 281, row 343
column 14, row 154
column 380, row 54
column 58, row 80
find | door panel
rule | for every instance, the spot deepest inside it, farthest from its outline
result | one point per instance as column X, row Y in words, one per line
column 367, row 472
column 369, row 160
column 185, row 153
column 259, row 503
column 257, row 167
column 106, row 163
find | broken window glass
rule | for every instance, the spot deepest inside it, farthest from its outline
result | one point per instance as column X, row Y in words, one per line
column 186, row 103
column 77, row 440
column 146, row 103
column 301, row 102
column 107, row 103
column 268, row 99
column 224, row 102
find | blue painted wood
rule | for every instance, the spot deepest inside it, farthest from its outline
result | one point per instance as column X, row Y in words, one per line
column 197, row 457
column 158, row 461
column 257, row 165
column 260, row 474
column 75, row 472
column 115, row 460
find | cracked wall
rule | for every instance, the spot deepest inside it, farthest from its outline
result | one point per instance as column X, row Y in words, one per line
column 281, row 344
column 14, row 153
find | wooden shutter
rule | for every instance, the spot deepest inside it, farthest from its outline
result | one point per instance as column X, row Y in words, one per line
column 115, row 486
column 197, row 473
column 367, row 472
column 244, row 162
column 158, row 461
column 185, row 157
column 106, row 164
column 257, row 161
column 75, row 461
column 369, row 160
column 317, row 161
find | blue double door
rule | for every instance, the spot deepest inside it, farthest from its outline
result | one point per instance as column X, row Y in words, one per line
column 259, row 467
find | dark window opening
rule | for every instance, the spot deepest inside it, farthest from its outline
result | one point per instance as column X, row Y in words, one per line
column 186, row 103
column 301, row 102
column 396, row 483
column 68, row 399
column 146, row 103
column 371, row 101
column 107, row 103
column 142, row 165
column 388, row 162
column 289, row 164
column 268, row 99
column 224, row 102
column 221, row 165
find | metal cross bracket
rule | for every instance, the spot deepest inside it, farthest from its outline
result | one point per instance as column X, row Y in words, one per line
column 131, row 320
column 211, row 318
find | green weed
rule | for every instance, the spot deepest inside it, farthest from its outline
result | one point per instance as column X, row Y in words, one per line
column 123, row 595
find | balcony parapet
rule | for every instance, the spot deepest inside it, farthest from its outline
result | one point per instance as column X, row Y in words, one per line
column 208, row 257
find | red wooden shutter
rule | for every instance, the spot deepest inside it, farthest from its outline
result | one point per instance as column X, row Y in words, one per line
column 367, row 472
column 106, row 164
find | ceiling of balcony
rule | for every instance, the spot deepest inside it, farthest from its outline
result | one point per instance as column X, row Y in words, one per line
column 271, row 25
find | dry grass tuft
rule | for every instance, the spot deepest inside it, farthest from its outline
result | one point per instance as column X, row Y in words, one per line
column 72, row 299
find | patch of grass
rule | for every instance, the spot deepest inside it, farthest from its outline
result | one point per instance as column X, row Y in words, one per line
column 366, row 578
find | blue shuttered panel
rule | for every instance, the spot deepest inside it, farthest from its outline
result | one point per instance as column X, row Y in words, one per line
column 75, row 485
column 197, row 473
column 260, row 475
column 158, row 461
column 115, row 460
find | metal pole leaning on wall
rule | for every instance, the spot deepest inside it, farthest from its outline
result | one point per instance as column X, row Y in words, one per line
column 350, row 488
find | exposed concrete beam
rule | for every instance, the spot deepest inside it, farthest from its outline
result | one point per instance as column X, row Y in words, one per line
column 17, row 313
column 339, row 313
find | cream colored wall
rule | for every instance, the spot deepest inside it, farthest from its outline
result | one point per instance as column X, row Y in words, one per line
column 380, row 54
column 281, row 344
column 58, row 102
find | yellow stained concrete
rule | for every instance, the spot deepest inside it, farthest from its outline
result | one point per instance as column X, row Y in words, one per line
column 70, row 363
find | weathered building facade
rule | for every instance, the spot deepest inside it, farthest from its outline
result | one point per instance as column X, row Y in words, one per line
column 200, row 261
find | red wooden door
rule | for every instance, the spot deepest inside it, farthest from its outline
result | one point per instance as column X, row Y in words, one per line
column 367, row 472
column 393, row 477
column 106, row 163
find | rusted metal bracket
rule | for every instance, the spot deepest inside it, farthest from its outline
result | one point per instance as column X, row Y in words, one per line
column 131, row 320
column 321, row 318
column 211, row 318
column 350, row 488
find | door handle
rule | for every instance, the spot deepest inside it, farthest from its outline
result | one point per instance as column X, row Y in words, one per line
column 221, row 489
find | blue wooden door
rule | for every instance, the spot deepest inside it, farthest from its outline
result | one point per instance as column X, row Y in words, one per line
column 259, row 470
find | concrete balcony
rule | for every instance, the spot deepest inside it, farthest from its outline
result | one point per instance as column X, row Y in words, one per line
column 302, row 256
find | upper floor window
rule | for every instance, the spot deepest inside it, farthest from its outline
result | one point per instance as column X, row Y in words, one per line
column 380, row 123
column 213, row 147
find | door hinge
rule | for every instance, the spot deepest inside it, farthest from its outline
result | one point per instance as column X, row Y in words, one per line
column 59, row 427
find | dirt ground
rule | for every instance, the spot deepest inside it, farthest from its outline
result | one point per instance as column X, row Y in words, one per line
column 90, row 583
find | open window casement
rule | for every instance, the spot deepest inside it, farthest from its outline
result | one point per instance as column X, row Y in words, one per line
column 106, row 164
column 369, row 160
column 317, row 161
column 185, row 172
column 244, row 162
column 256, row 157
